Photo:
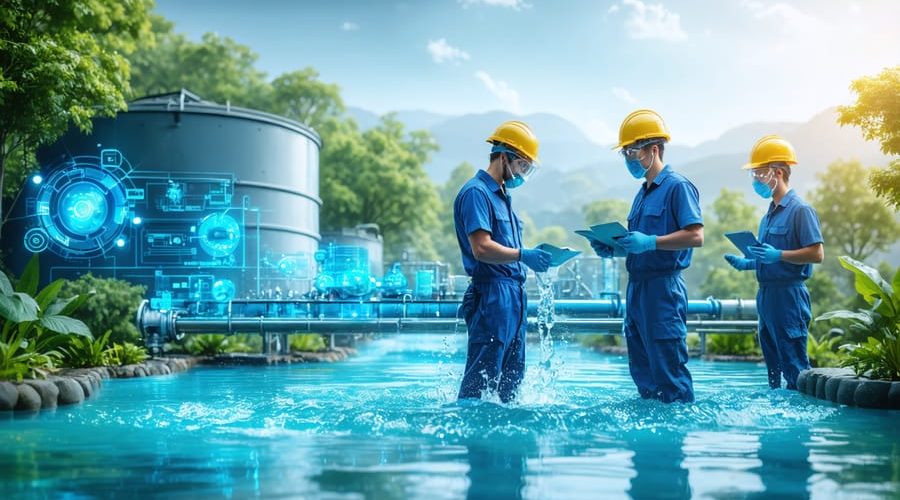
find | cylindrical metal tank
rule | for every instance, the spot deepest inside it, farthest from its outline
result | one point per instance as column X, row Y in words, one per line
column 180, row 194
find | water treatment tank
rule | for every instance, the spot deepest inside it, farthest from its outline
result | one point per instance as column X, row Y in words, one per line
column 193, row 199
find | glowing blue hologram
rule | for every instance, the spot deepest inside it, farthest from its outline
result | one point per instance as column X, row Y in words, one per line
column 137, row 221
column 120, row 242
column 37, row 179
column 36, row 240
column 174, row 193
column 424, row 283
column 83, row 208
column 223, row 290
column 394, row 282
column 219, row 235
column 134, row 194
column 111, row 158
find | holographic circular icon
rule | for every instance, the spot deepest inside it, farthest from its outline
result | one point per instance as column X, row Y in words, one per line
column 219, row 235
column 223, row 290
column 83, row 208
column 36, row 240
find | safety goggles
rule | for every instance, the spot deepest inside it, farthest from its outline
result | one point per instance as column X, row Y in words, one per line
column 631, row 152
column 762, row 174
column 523, row 167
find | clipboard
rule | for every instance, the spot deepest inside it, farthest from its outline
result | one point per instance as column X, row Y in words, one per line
column 607, row 234
column 558, row 255
column 743, row 240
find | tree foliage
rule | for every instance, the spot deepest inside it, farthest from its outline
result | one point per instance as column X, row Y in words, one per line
column 709, row 273
column 854, row 221
column 111, row 306
column 877, row 112
column 62, row 62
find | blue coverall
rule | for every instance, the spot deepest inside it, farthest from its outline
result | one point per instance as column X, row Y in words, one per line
column 656, row 299
column 783, row 300
column 494, row 305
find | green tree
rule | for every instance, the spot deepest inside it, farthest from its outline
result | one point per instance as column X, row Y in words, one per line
column 444, row 235
column 216, row 68
column 299, row 95
column 601, row 211
column 378, row 176
column 111, row 306
column 854, row 221
column 62, row 62
column 709, row 273
column 877, row 113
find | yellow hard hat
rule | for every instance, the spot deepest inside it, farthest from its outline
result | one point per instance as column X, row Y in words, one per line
column 771, row 148
column 519, row 136
column 642, row 124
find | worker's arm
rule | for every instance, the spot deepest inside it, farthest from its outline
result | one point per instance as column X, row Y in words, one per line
column 813, row 254
column 689, row 237
column 489, row 251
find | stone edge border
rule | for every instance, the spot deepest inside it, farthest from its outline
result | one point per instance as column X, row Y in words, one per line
column 74, row 385
column 841, row 386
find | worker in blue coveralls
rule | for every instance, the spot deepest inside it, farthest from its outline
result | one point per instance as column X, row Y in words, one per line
column 791, row 243
column 664, row 225
column 490, row 239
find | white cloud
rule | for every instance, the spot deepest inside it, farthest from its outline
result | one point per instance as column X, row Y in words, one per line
column 791, row 19
column 441, row 52
column 349, row 26
column 623, row 95
column 507, row 95
column 651, row 21
column 613, row 9
column 512, row 4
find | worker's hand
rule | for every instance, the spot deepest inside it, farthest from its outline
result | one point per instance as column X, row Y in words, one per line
column 766, row 253
column 740, row 263
column 638, row 242
column 602, row 250
column 535, row 258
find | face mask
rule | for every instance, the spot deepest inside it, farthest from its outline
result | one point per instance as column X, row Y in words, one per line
column 515, row 182
column 635, row 168
column 762, row 188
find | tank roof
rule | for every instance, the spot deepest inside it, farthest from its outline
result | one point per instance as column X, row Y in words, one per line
column 185, row 101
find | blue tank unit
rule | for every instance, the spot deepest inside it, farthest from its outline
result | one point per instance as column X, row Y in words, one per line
column 394, row 283
column 367, row 236
column 343, row 272
column 188, row 197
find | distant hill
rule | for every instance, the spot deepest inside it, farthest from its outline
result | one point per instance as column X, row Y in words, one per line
column 576, row 171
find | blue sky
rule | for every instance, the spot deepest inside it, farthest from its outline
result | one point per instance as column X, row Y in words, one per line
column 705, row 65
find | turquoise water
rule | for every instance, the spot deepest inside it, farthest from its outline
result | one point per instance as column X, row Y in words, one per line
column 385, row 425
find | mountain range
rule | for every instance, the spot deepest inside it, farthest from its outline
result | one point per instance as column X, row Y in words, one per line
column 576, row 171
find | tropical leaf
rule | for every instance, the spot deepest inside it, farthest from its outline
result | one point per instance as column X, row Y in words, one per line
column 65, row 325
column 869, row 283
column 18, row 308
column 48, row 293
column 31, row 276
column 862, row 316
column 5, row 286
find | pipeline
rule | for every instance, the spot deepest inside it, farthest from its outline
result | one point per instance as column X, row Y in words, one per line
column 280, row 317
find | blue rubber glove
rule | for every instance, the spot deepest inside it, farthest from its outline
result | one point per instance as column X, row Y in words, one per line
column 602, row 250
column 740, row 263
column 766, row 253
column 638, row 242
column 535, row 258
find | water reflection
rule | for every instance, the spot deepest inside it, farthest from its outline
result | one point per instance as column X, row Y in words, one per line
column 496, row 470
column 784, row 464
column 658, row 463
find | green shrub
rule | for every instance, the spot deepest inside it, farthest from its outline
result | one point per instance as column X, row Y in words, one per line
column 83, row 352
column 125, row 354
column 35, row 325
column 879, row 356
column 821, row 350
column 594, row 341
column 112, row 306
column 209, row 344
column 309, row 342
column 732, row 344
